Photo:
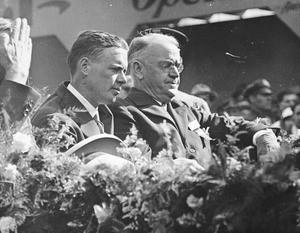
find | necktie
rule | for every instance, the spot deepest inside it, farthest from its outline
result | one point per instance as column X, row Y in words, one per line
column 99, row 123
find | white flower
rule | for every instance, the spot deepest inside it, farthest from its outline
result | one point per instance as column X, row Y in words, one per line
column 194, row 202
column 21, row 142
column 102, row 213
column 10, row 172
column 233, row 164
column 7, row 224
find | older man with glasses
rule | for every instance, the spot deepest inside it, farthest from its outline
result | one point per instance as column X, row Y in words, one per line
column 165, row 121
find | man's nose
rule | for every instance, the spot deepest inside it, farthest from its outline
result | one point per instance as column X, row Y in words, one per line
column 122, row 78
column 174, row 72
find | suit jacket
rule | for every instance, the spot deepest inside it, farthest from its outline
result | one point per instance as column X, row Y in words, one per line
column 16, row 102
column 192, row 101
column 70, row 109
column 142, row 111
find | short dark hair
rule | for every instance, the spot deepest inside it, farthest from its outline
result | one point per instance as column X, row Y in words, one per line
column 91, row 43
column 253, row 88
column 284, row 93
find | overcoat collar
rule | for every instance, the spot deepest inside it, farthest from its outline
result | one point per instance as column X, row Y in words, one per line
column 176, row 111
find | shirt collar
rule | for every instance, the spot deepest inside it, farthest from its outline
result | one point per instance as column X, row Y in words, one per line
column 164, row 105
column 89, row 107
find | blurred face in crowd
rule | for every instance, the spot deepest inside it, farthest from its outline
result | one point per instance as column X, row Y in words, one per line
column 161, row 70
column 287, row 124
column 297, row 115
column 106, row 76
column 262, row 99
column 288, row 100
column 206, row 97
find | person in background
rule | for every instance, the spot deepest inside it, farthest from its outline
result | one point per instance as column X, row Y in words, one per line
column 259, row 95
column 237, row 106
column 296, row 114
column 205, row 92
column 97, row 62
column 155, row 65
column 286, row 98
column 16, row 98
column 192, row 101
column 287, row 123
column 296, row 90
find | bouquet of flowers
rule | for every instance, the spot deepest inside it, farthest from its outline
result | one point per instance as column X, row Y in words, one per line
column 234, row 195
column 43, row 190
column 35, row 182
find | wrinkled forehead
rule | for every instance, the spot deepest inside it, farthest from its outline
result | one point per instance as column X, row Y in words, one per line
column 161, row 50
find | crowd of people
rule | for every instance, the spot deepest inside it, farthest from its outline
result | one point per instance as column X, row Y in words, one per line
column 258, row 101
column 98, row 63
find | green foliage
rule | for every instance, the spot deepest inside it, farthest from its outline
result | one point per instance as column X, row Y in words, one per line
column 42, row 190
column 35, row 182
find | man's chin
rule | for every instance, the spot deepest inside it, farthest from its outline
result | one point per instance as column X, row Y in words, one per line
column 114, row 99
column 173, row 92
column 109, row 101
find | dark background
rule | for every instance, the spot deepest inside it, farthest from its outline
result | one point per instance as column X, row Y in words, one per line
column 265, row 46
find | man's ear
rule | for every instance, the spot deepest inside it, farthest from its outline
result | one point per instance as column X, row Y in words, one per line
column 84, row 65
column 137, row 68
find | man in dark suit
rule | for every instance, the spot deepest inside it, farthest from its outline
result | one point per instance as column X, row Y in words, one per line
column 16, row 98
column 155, row 65
column 97, row 62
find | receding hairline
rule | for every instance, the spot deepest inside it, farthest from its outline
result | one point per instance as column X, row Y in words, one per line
column 148, row 41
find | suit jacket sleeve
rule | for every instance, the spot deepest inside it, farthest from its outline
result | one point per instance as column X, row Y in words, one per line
column 219, row 126
column 16, row 102
column 45, row 118
column 123, row 120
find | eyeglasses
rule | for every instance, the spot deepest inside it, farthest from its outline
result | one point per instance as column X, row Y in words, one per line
column 166, row 66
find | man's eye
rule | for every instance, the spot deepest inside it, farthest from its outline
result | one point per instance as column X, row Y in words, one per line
column 117, row 69
column 167, row 64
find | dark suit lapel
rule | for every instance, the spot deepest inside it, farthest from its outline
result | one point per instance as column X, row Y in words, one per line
column 148, row 105
column 106, row 118
column 76, row 111
column 178, row 112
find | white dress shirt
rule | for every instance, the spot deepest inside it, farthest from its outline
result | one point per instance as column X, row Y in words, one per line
column 89, row 129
